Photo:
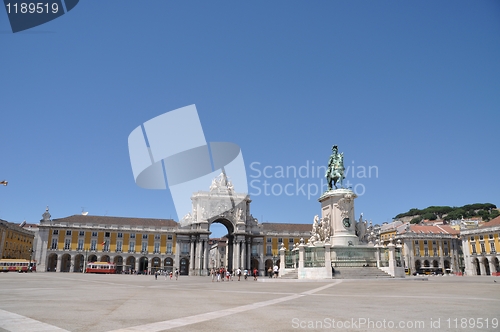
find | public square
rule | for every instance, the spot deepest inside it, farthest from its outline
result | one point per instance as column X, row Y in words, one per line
column 88, row 302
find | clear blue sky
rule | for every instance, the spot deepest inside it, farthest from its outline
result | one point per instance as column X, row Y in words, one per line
column 411, row 88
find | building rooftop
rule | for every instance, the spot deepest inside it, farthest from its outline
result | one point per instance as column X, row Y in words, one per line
column 105, row 220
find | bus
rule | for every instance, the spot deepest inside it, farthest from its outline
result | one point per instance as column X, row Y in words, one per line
column 17, row 265
column 101, row 267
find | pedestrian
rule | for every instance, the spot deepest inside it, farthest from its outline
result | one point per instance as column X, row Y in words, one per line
column 238, row 273
column 156, row 275
column 255, row 274
column 276, row 270
column 212, row 274
column 245, row 274
column 270, row 272
column 176, row 274
column 170, row 275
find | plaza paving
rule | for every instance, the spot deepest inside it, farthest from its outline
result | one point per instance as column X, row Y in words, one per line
column 85, row 302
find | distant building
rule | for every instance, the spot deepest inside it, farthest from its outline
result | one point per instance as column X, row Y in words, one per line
column 430, row 248
column 481, row 245
column 15, row 241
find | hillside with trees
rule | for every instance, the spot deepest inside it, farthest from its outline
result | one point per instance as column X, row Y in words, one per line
column 485, row 211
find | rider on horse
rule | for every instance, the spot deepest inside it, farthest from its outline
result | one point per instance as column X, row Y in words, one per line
column 335, row 171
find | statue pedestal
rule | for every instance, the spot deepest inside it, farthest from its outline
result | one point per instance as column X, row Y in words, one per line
column 338, row 207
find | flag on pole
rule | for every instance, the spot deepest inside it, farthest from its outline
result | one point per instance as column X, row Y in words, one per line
column 104, row 243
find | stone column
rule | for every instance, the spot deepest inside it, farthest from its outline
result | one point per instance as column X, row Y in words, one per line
column 238, row 253
column 207, row 256
column 392, row 258
column 244, row 256
column 282, row 259
column 58, row 267
column 467, row 257
column 441, row 254
column 378, row 254
column 197, row 263
column 191, row 257
column 482, row 268
column 177, row 256
column 249, row 253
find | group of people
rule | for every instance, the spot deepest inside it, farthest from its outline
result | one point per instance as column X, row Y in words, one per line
column 222, row 273
column 168, row 274
column 273, row 272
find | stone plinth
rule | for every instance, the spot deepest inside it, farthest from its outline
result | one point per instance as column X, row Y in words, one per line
column 337, row 206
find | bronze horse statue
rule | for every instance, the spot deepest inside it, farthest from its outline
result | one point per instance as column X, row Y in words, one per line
column 335, row 171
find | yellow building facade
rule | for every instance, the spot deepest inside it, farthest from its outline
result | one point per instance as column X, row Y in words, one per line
column 15, row 241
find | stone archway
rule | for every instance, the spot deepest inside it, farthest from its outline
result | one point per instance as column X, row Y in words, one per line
column 143, row 265
column 418, row 266
column 229, row 242
column 52, row 263
column 496, row 265
column 155, row 264
column 475, row 262
column 130, row 265
column 168, row 264
column 66, row 263
column 486, row 264
column 79, row 261
column 105, row 258
column 184, row 266
column 92, row 258
column 118, row 260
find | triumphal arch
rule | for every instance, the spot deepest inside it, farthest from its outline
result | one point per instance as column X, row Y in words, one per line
column 221, row 204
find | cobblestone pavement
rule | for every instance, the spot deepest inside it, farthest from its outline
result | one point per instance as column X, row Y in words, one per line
column 87, row 302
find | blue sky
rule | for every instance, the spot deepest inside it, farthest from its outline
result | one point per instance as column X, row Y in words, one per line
column 408, row 88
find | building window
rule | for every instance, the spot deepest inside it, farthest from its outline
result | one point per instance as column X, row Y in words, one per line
column 280, row 241
column 434, row 251
column 131, row 246
column 416, row 242
column 67, row 244
column 157, row 236
column 473, row 248
column 169, row 236
column 93, row 245
column 157, row 247
column 54, row 244
column 490, row 236
column 119, row 246
column 144, row 247
column 144, row 236
column 492, row 248
column 269, row 251
column 426, row 252
column 483, row 248
column 446, row 251
column 185, row 248
column 81, row 233
column 106, row 234
column 254, row 250
column 425, row 242
column 55, row 232
column 433, row 243
column 290, row 240
column 132, row 235
column 169, row 248
column 119, row 235
column 68, row 232
column 105, row 247
column 94, row 234
column 472, row 238
column 269, row 240
column 80, row 244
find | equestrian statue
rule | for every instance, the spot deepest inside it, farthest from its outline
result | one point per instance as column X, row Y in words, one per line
column 335, row 170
